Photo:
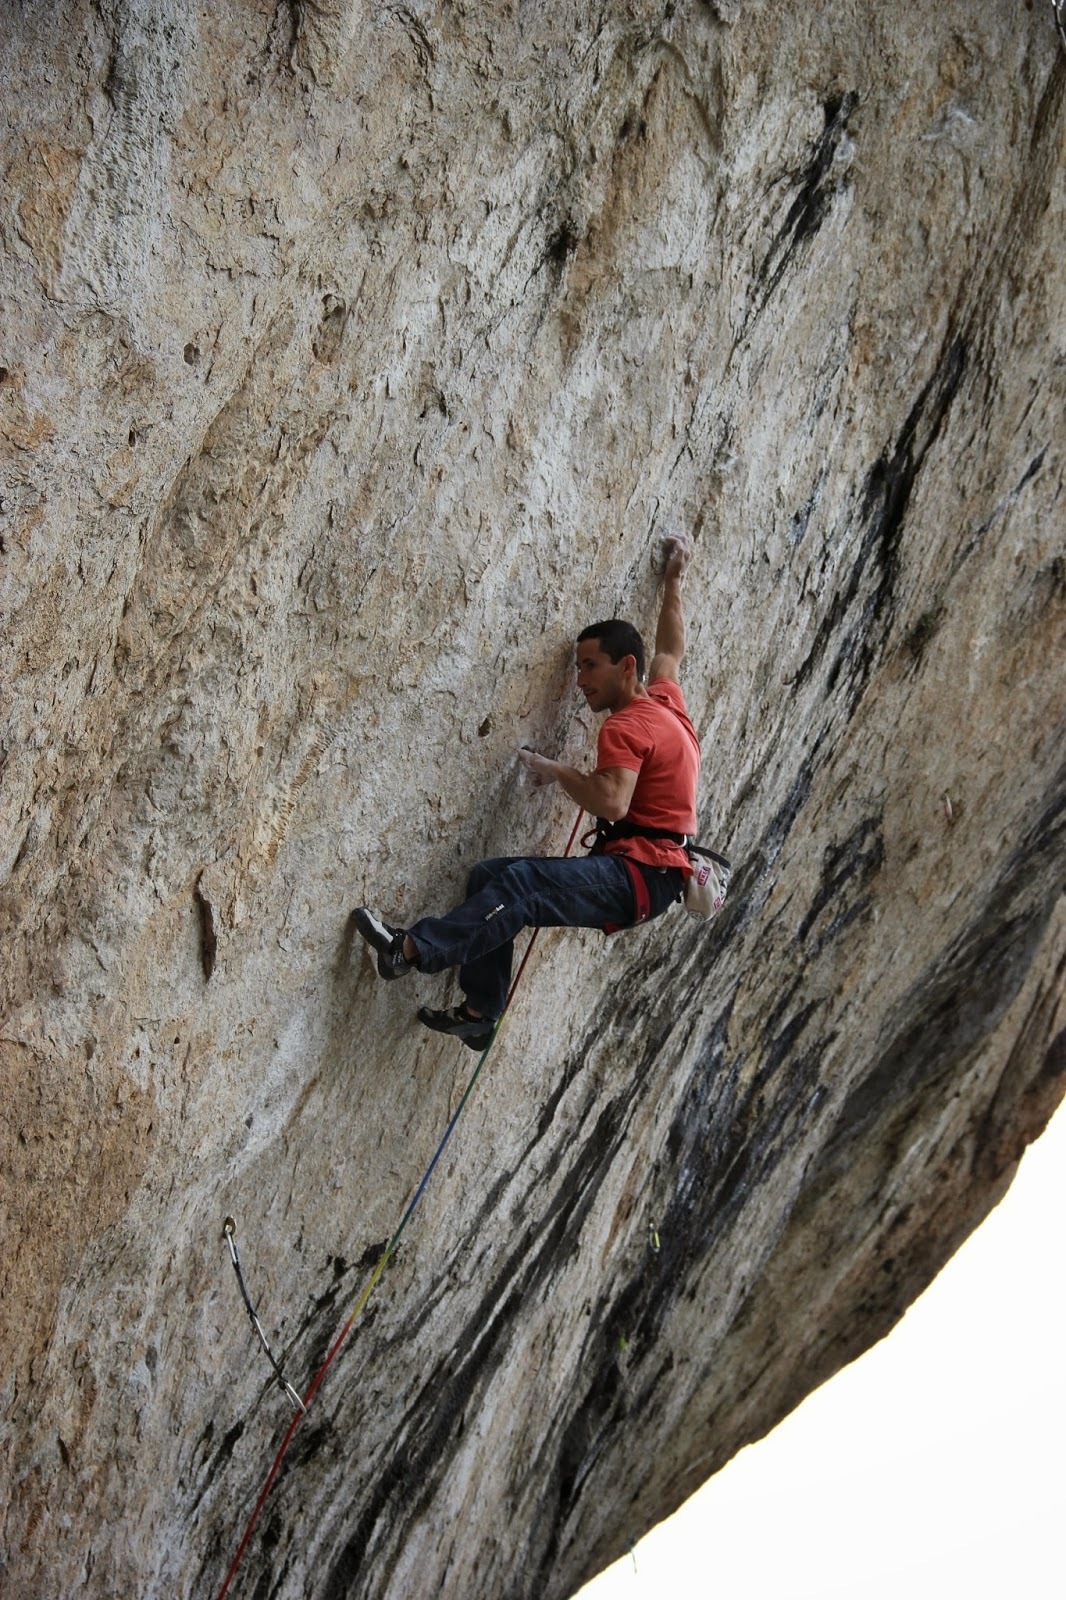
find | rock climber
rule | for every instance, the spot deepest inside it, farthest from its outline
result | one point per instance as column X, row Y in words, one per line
column 643, row 795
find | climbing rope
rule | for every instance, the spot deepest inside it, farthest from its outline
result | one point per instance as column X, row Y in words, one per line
column 375, row 1276
column 1059, row 8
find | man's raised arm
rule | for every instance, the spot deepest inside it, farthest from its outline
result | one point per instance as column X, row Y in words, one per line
column 670, row 630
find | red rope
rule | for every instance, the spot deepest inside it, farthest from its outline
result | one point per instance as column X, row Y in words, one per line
column 376, row 1274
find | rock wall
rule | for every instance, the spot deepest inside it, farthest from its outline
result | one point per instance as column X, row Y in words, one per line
column 354, row 356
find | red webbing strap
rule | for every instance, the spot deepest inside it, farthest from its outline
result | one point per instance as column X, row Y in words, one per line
column 640, row 896
column 640, row 890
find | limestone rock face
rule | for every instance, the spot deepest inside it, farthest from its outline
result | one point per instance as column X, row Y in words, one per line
column 353, row 358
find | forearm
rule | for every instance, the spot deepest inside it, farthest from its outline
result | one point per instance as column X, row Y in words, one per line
column 595, row 792
column 670, row 630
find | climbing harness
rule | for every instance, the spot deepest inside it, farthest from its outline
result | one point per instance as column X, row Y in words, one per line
column 229, row 1233
column 375, row 1276
column 705, row 887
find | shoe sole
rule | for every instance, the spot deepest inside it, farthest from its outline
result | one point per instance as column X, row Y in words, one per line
column 463, row 1031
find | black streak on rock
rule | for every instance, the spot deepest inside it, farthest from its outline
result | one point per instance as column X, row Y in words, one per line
column 949, row 1012
column 814, row 195
column 751, row 881
column 423, row 1440
column 560, row 248
column 856, row 861
column 885, row 502
column 218, row 1461
column 208, row 939
column 320, row 1322
column 719, row 1146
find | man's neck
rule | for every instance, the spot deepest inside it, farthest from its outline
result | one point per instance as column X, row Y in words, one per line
column 627, row 699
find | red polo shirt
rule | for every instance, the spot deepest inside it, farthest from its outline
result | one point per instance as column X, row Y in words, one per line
column 653, row 737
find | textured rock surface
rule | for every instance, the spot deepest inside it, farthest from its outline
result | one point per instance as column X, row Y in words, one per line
column 353, row 357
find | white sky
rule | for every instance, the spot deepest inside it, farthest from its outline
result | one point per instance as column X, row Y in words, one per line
column 933, row 1468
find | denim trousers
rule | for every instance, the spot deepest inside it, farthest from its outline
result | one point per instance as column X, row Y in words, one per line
column 514, row 892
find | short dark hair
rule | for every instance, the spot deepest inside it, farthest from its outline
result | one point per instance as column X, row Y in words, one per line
column 616, row 639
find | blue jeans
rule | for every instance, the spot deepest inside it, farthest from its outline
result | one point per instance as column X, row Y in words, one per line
column 514, row 892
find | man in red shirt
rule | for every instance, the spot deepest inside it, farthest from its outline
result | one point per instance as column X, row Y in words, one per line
column 643, row 795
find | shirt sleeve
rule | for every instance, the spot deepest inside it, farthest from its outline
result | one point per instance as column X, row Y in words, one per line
column 620, row 745
column 666, row 690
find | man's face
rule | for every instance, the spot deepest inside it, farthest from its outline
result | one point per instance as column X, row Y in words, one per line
column 600, row 679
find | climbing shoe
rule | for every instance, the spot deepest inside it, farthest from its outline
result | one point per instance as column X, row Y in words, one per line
column 386, row 940
column 477, row 1032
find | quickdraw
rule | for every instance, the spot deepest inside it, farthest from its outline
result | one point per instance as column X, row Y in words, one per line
column 229, row 1233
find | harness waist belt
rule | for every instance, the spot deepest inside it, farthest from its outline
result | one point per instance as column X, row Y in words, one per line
column 605, row 833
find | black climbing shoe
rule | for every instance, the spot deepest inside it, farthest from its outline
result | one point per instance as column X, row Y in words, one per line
column 477, row 1032
column 386, row 940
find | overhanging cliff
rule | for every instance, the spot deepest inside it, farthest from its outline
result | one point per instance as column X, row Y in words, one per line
column 353, row 358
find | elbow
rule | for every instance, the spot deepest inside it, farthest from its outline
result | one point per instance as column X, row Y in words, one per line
column 613, row 793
